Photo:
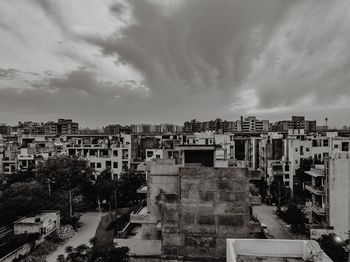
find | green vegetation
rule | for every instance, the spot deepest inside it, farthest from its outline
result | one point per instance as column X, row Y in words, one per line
column 95, row 254
column 63, row 181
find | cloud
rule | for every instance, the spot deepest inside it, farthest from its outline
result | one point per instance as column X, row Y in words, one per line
column 168, row 61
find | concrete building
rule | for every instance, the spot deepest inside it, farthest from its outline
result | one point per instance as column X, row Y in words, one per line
column 297, row 122
column 5, row 129
column 318, row 199
column 252, row 124
column 274, row 250
column 192, row 209
column 44, row 223
column 337, row 193
column 102, row 152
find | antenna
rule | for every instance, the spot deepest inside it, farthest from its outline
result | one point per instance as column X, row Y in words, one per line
column 326, row 121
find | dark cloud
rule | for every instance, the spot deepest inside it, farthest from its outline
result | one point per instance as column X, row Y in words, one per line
column 204, row 44
column 196, row 58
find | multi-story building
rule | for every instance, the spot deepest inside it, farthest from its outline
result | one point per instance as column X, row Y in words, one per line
column 297, row 122
column 337, row 193
column 252, row 124
column 67, row 126
column 316, row 187
column 330, row 195
column 112, row 129
column 5, row 129
column 102, row 152
column 192, row 209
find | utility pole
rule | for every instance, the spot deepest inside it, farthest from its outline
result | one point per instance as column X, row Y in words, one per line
column 70, row 204
column 49, row 184
column 99, row 204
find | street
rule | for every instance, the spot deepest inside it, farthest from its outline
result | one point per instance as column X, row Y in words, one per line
column 275, row 225
column 87, row 231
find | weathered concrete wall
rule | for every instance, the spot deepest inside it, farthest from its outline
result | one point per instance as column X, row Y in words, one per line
column 139, row 247
column 210, row 206
column 162, row 179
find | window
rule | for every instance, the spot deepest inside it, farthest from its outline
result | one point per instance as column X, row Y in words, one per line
column 307, row 149
column 336, row 146
column 92, row 165
column 158, row 156
column 345, row 146
column 98, row 165
column 325, row 142
column 296, row 149
column 286, row 167
column 115, row 164
column 115, row 153
column 286, row 183
column 296, row 161
column 286, row 176
column 314, row 143
column 149, row 153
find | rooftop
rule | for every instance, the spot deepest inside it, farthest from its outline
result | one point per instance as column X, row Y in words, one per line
column 242, row 250
column 45, row 216
column 267, row 259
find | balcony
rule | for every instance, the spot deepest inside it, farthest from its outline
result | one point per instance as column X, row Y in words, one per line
column 318, row 210
column 317, row 190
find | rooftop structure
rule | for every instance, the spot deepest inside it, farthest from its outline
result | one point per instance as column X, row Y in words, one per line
column 250, row 250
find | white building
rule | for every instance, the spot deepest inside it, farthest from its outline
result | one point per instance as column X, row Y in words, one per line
column 112, row 153
column 241, row 250
column 337, row 193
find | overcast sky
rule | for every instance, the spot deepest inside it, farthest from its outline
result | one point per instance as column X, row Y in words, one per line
column 138, row 61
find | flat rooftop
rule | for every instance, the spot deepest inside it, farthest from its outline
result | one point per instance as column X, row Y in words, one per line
column 267, row 259
column 42, row 216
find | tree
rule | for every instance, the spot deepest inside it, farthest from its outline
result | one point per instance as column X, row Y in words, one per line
column 64, row 172
column 127, row 186
column 296, row 218
column 334, row 247
column 93, row 254
column 21, row 199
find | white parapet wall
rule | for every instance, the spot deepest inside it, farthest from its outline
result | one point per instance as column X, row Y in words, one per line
column 304, row 249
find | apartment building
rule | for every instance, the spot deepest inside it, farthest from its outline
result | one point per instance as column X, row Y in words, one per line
column 249, row 124
column 102, row 152
column 316, row 187
column 149, row 128
column 252, row 124
column 337, row 193
column 297, row 122
column 330, row 195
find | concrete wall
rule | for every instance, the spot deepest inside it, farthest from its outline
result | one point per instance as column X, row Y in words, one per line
column 304, row 249
column 339, row 189
column 140, row 247
column 210, row 206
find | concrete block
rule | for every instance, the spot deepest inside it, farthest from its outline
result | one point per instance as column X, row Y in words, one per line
column 200, row 241
column 188, row 218
column 231, row 220
column 206, row 219
column 206, row 195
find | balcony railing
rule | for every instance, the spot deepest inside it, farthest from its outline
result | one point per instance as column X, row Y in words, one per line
column 318, row 210
column 315, row 190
